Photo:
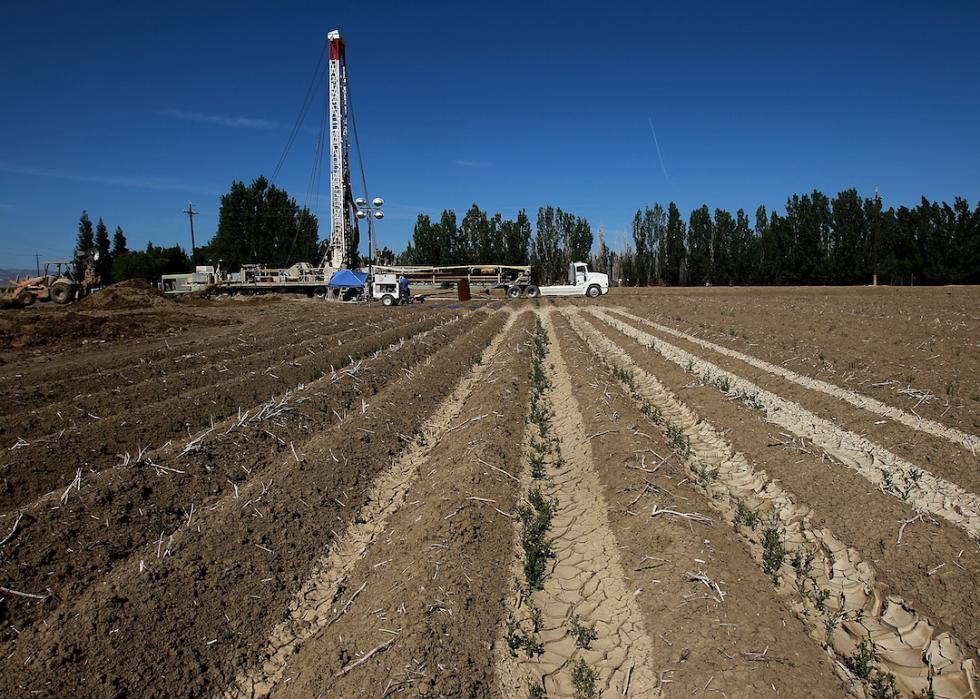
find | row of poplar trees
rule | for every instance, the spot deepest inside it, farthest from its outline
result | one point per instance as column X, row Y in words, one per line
column 818, row 240
column 559, row 238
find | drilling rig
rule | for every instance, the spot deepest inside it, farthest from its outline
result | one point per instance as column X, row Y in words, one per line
column 344, row 235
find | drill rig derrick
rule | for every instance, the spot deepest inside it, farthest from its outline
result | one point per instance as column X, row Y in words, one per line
column 344, row 234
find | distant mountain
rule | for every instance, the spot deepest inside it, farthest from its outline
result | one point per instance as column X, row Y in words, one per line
column 12, row 273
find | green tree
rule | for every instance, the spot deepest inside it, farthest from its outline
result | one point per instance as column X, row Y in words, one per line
column 851, row 246
column 675, row 251
column 423, row 249
column 119, row 243
column 745, row 252
column 723, row 248
column 547, row 254
column 699, row 235
column 447, row 238
column 474, row 241
column 86, row 238
column 260, row 223
column 150, row 264
column 643, row 259
column 103, row 266
column 577, row 236
column 516, row 239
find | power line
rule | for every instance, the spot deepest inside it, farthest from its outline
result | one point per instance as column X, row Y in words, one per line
column 301, row 116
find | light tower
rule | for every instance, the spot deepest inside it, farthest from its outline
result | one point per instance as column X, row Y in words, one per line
column 342, row 224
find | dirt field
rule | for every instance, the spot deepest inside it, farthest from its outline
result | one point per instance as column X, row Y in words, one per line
column 668, row 492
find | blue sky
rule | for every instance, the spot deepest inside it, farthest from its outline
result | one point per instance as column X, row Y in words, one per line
column 130, row 110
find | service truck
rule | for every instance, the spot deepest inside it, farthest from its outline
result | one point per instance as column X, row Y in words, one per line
column 581, row 282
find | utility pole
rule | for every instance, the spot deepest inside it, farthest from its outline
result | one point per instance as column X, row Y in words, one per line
column 37, row 261
column 874, row 244
column 191, row 214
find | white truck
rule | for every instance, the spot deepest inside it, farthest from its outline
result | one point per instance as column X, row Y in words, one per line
column 581, row 282
column 516, row 280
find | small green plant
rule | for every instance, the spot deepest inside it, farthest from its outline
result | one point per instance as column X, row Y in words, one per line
column 803, row 564
column 535, row 690
column 535, row 520
column 773, row 552
column 584, row 634
column 832, row 621
column 652, row 412
column 677, row 440
column 583, row 680
column 517, row 640
column 625, row 376
column 746, row 516
column 724, row 384
column 537, row 622
column 704, row 475
column 537, row 466
column 861, row 662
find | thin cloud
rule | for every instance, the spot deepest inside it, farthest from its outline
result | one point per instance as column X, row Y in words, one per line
column 235, row 122
column 657, row 144
column 6, row 206
column 471, row 163
column 158, row 183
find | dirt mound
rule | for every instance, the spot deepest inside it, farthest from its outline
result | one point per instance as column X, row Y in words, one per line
column 130, row 294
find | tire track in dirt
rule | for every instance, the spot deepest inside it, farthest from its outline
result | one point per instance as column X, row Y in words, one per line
column 314, row 606
column 210, row 594
column 585, row 585
column 863, row 630
column 882, row 468
column 967, row 441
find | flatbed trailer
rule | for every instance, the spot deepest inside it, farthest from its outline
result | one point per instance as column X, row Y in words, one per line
column 516, row 279
column 485, row 275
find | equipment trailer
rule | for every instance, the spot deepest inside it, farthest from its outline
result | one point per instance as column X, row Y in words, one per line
column 516, row 279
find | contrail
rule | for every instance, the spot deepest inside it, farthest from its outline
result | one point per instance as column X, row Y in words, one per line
column 657, row 144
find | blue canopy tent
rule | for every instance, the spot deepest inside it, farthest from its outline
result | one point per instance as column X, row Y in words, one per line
column 347, row 279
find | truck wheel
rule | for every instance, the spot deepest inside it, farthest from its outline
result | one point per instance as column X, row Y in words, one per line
column 61, row 293
column 388, row 300
column 514, row 292
column 532, row 292
column 593, row 292
column 320, row 292
column 26, row 298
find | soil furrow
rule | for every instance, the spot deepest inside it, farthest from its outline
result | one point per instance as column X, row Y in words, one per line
column 942, row 457
column 429, row 590
column 75, row 541
column 212, row 592
column 967, row 441
column 52, row 462
column 892, row 474
column 879, row 641
column 700, row 633
column 589, row 617
column 916, row 556
column 211, row 366
column 313, row 608
column 914, row 349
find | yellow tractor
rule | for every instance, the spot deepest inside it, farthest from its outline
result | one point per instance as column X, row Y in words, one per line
column 62, row 282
